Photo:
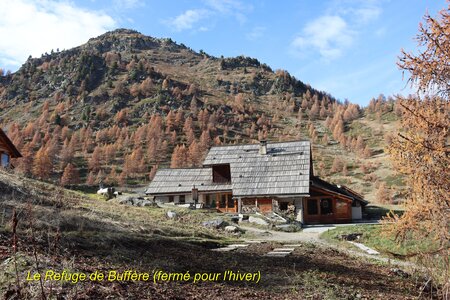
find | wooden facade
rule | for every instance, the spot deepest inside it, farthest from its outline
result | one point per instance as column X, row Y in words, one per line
column 225, row 203
column 326, row 207
column 262, row 205
column 265, row 178
column 7, row 150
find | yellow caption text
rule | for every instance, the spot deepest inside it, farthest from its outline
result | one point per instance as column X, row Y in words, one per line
column 155, row 276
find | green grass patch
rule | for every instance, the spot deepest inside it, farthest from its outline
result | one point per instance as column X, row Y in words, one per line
column 376, row 237
column 380, row 211
column 357, row 128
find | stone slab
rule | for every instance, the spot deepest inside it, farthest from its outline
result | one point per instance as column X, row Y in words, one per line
column 365, row 248
column 239, row 245
column 277, row 254
column 283, row 249
column 224, row 249
column 320, row 229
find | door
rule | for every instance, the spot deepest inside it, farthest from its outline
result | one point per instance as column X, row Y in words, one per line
column 312, row 210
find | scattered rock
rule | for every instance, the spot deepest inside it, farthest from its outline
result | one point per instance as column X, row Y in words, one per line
column 127, row 200
column 108, row 193
column 231, row 228
column 276, row 218
column 135, row 201
column 235, row 219
column 145, row 203
column 171, row 214
column 257, row 220
column 351, row 236
column 288, row 227
column 398, row 272
column 216, row 223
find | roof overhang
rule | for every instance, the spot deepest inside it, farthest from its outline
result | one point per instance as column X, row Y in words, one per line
column 271, row 196
column 187, row 192
column 317, row 183
column 13, row 150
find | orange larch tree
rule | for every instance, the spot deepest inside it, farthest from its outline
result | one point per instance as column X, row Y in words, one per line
column 422, row 151
column 42, row 165
column 70, row 175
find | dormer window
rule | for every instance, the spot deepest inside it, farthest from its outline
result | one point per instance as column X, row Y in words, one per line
column 221, row 173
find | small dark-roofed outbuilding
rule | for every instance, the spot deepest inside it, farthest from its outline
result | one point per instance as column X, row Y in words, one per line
column 7, row 150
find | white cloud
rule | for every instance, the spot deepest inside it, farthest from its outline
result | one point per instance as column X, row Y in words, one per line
column 226, row 6
column 230, row 7
column 32, row 27
column 213, row 8
column 337, row 29
column 358, row 11
column 128, row 4
column 329, row 35
column 367, row 14
column 188, row 19
column 256, row 33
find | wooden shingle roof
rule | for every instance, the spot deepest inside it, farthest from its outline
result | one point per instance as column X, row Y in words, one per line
column 342, row 190
column 284, row 170
column 173, row 181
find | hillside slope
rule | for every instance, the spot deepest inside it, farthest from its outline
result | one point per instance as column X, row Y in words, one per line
column 123, row 104
column 61, row 230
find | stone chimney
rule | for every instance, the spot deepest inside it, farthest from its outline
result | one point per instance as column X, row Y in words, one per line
column 263, row 147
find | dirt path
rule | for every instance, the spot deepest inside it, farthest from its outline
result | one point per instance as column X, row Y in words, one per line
column 312, row 235
column 305, row 236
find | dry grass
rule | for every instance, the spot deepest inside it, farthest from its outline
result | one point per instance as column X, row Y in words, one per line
column 77, row 233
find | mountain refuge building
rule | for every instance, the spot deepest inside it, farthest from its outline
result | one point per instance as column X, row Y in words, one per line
column 264, row 178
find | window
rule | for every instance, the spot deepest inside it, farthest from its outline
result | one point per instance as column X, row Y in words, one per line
column 221, row 173
column 326, row 206
column 283, row 205
column 4, row 160
column 208, row 200
column 313, row 208
column 230, row 201
column 182, row 199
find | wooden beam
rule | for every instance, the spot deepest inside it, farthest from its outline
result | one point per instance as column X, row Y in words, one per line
column 226, row 202
column 343, row 197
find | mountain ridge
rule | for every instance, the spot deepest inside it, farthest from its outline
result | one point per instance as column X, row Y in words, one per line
column 123, row 84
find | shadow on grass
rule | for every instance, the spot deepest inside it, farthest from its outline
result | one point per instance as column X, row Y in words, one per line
column 373, row 212
column 92, row 242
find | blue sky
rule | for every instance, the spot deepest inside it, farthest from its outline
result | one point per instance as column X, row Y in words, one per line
column 347, row 48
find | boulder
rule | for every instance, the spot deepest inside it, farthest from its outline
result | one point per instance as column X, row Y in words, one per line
column 108, row 193
column 127, row 200
column 148, row 203
column 231, row 228
column 171, row 214
column 351, row 236
column 216, row 223
column 287, row 227
column 144, row 203
column 257, row 220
